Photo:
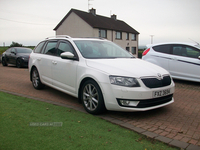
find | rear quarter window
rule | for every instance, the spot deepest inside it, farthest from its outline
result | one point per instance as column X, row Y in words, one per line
column 39, row 47
column 162, row 49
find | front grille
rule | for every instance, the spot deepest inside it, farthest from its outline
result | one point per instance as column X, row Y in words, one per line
column 156, row 83
column 149, row 102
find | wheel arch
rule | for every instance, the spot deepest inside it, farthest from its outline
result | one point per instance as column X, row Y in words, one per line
column 81, row 84
column 31, row 72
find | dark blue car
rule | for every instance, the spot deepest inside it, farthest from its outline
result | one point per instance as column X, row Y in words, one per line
column 18, row 56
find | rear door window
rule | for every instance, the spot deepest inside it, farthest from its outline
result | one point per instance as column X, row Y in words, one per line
column 51, row 48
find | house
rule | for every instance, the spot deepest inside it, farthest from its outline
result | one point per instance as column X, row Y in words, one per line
column 88, row 24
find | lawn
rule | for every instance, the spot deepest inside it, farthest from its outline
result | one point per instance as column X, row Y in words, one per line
column 30, row 124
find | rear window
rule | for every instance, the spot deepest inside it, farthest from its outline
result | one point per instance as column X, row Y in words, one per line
column 162, row 49
column 39, row 47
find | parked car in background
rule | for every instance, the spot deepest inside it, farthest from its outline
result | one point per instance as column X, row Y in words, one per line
column 100, row 74
column 17, row 56
column 182, row 60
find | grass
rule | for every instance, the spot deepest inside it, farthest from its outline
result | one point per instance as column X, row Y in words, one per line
column 78, row 130
column 2, row 49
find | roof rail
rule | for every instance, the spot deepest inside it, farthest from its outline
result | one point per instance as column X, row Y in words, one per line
column 64, row 36
column 96, row 38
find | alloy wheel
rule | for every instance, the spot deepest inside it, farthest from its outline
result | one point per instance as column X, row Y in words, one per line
column 90, row 97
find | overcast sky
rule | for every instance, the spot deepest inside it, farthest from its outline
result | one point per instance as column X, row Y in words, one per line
column 30, row 21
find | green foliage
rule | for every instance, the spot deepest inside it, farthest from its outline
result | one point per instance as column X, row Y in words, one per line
column 140, row 51
column 15, row 44
column 78, row 131
column 3, row 49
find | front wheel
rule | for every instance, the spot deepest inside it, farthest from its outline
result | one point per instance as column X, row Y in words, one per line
column 92, row 97
column 37, row 84
column 4, row 62
column 18, row 63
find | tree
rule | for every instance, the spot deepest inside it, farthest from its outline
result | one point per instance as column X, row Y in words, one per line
column 15, row 44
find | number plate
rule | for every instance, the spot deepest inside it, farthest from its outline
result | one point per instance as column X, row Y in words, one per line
column 161, row 93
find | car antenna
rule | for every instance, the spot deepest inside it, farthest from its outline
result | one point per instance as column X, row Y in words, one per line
column 194, row 41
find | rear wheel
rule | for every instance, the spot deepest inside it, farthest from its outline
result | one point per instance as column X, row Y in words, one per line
column 92, row 97
column 37, row 84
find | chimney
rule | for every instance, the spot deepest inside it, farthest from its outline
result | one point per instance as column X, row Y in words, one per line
column 114, row 16
column 93, row 11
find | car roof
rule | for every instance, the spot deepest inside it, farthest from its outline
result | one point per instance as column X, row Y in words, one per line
column 184, row 43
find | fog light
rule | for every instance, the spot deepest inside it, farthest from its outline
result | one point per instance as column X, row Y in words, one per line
column 125, row 102
column 128, row 103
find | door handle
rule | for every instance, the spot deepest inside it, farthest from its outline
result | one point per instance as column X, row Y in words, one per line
column 39, row 59
column 54, row 62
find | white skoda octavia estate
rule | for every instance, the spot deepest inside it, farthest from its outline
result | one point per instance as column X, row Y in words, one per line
column 102, row 75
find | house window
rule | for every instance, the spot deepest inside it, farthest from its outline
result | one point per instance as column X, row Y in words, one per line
column 127, row 36
column 102, row 33
column 133, row 50
column 128, row 48
column 118, row 35
column 133, row 37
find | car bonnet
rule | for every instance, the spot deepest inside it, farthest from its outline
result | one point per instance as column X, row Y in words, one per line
column 126, row 67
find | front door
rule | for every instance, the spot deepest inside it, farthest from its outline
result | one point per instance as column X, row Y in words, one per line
column 184, row 62
column 64, row 70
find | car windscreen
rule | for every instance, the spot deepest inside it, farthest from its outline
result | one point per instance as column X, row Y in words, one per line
column 24, row 50
column 101, row 49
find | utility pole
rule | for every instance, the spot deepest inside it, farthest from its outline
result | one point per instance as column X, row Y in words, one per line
column 152, row 38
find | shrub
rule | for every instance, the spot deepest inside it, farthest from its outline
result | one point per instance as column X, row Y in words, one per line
column 15, row 44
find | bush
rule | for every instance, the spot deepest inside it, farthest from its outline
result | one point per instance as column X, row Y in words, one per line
column 140, row 53
column 15, row 44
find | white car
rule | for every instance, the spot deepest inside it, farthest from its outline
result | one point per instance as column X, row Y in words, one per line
column 100, row 74
column 182, row 60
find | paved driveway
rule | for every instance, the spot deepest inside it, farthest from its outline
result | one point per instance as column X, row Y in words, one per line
column 177, row 124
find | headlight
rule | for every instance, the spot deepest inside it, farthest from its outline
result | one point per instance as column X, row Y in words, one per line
column 124, row 81
column 24, row 58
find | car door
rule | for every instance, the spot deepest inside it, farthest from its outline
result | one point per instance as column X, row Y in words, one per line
column 184, row 62
column 64, row 70
column 12, row 56
column 7, row 55
column 46, row 60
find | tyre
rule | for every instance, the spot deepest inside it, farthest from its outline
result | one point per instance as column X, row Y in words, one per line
column 18, row 63
column 92, row 98
column 37, row 84
column 4, row 62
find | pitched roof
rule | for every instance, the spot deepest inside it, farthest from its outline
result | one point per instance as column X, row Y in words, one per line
column 97, row 21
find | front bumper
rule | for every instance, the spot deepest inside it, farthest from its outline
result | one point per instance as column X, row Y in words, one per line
column 141, row 98
column 24, row 62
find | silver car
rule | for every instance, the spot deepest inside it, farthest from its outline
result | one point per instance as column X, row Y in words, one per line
column 182, row 60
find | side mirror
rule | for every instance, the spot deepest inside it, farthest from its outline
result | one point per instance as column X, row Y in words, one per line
column 67, row 55
column 199, row 57
column 13, row 52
